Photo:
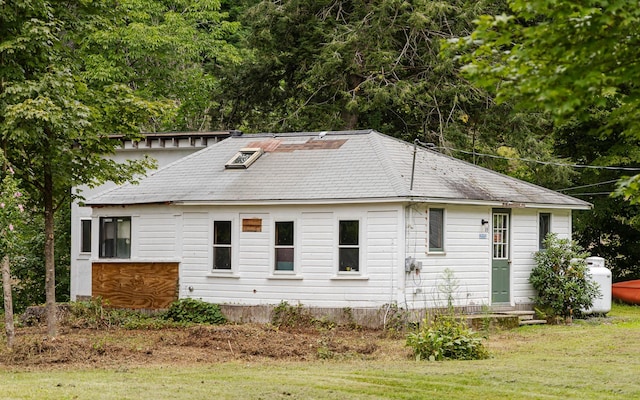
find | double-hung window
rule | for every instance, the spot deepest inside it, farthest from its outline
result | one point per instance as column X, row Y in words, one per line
column 436, row 229
column 222, row 245
column 544, row 228
column 284, row 246
column 348, row 245
column 115, row 237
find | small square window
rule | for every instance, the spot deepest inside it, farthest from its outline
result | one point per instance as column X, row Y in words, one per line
column 222, row 245
column 244, row 158
column 348, row 246
column 115, row 237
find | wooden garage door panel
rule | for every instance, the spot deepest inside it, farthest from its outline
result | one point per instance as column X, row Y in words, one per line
column 135, row 285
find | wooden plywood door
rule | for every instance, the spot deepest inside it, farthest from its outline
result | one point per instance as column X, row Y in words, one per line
column 136, row 285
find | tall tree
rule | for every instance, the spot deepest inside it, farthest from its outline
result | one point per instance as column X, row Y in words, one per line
column 345, row 64
column 52, row 124
column 612, row 229
column 568, row 58
column 162, row 50
column 11, row 236
column 349, row 64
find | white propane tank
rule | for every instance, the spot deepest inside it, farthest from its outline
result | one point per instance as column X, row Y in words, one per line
column 602, row 276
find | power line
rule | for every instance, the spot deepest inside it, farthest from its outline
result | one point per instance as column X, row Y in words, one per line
column 585, row 186
column 591, row 194
column 431, row 146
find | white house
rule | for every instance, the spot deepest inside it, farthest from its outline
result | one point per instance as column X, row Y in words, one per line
column 165, row 148
column 329, row 220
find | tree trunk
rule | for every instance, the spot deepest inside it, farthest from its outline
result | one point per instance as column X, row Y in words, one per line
column 49, row 260
column 8, row 301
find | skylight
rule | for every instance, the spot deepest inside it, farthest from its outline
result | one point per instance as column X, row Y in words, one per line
column 244, row 158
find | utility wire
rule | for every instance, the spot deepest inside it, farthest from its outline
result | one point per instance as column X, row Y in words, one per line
column 591, row 194
column 431, row 146
column 585, row 186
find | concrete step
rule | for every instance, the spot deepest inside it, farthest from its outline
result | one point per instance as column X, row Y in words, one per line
column 533, row 322
column 521, row 314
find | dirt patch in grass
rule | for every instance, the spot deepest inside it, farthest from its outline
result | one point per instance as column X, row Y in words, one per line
column 248, row 342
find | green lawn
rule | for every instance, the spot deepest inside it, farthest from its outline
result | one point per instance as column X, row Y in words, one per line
column 593, row 359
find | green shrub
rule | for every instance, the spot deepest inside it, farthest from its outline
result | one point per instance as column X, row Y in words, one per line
column 196, row 311
column 446, row 338
column 96, row 314
column 562, row 279
column 285, row 315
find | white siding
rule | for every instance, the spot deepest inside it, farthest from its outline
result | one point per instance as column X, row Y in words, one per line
column 466, row 255
column 524, row 243
column 389, row 233
column 316, row 280
column 525, row 237
column 81, row 263
column 157, row 236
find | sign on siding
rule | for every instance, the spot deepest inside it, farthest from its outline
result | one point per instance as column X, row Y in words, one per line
column 252, row 225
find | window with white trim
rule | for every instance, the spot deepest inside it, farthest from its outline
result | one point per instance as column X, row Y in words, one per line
column 544, row 228
column 284, row 246
column 436, row 229
column 115, row 237
column 222, row 245
column 349, row 245
column 85, row 236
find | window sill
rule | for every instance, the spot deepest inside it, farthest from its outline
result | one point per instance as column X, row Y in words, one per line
column 222, row 274
column 436, row 253
column 349, row 277
column 289, row 277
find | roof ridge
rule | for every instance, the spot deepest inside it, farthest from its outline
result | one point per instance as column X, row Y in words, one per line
column 502, row 175
column 156, row 170
column 395, row 178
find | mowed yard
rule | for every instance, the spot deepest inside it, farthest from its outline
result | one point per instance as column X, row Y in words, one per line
column 598, row 358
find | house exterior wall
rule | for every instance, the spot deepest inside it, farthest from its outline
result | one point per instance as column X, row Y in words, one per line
column 388, row 234
column 186, row 234
column 466, row 255
column 164, row 154
column 525, row 234
column 463, row 269
column 315, row 280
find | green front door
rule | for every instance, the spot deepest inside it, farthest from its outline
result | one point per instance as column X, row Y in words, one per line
column 500, row 263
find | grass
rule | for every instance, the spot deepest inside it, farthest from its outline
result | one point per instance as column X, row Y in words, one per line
column 592, row 359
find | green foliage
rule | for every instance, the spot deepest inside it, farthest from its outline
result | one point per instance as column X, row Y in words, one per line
column 561, row 278
column 396, row 319
column 612, row 228
column 165, row 51
column 12, row 212
column 446, row 338
column 96, row 314
column 288, row 316
column 566, row 58
column 334, row 65
column 195, row 311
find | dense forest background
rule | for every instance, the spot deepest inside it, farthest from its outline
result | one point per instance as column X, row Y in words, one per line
column 74, row 71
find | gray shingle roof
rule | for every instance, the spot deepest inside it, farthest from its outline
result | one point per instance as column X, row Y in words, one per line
column 332, row 167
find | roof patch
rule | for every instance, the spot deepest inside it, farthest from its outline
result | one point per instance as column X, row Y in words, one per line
column 312, row 144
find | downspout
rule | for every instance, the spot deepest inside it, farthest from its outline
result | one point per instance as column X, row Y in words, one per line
column 413, row 164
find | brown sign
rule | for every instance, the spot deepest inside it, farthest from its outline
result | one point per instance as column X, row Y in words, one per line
column 252, row 225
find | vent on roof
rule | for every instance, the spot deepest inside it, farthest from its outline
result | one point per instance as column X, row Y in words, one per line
column 244, row 158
